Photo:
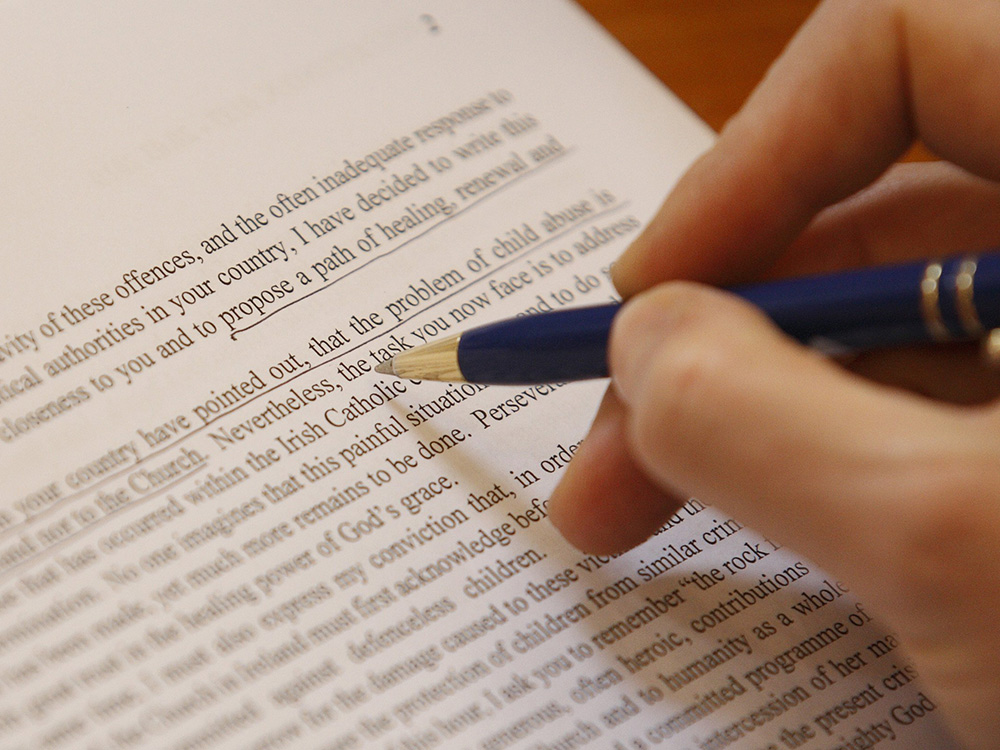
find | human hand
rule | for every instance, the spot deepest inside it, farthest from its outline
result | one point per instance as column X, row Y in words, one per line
column 891, row 481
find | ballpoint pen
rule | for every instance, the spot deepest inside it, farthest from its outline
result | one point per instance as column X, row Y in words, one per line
column 951, row 299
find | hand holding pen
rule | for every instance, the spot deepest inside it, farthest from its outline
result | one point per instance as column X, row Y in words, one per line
column 892, row 489
column 890, row 481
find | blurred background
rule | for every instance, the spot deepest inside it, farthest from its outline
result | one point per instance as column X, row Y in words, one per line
column 711, row 53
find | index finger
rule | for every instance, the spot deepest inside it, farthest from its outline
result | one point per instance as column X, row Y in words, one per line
column 859, row 82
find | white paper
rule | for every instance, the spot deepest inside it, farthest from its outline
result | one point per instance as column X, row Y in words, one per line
column 219, row 529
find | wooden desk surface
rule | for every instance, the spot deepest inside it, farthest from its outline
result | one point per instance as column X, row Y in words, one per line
column 711, row 53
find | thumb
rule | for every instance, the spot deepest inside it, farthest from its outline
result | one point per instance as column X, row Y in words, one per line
column 724, row 407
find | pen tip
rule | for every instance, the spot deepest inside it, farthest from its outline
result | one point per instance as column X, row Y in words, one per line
column 385, row 368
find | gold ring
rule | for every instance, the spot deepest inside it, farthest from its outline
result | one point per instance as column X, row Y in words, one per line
column 964, row 298
column 930, row 303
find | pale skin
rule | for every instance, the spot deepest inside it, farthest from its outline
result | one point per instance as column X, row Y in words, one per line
column 884, row 470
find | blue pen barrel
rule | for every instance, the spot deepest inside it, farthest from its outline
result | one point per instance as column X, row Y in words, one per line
column 855, row 309
column 886, row 306
column 955, row 299
column 549, row 348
